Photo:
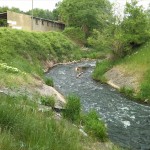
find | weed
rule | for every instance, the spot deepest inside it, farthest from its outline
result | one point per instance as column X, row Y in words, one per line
column 100, row 69
column 94, row 126
column 48, row 101
column 72, row 108
column 49, row 81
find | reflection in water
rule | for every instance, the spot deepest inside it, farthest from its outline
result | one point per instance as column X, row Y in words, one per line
column 128, row 122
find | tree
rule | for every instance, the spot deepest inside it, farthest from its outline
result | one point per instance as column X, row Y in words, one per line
column 86, row 14
column 135, row 24
column 132, row 32
column 46, row 14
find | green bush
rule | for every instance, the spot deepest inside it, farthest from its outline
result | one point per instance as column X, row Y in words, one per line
column 145, row 87
column 128, row 91
column 27, row 50
column 49, row 81
column 94, row 126
column 48, row 101
column 100, row 69
column 132, row 32
column 22, row 126
column 72, row 108
column 99, row 40
column 75, row 34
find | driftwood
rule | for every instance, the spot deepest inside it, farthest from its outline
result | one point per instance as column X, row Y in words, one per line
column 78, row 75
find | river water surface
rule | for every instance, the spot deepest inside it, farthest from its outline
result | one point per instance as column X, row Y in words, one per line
column 128, row 122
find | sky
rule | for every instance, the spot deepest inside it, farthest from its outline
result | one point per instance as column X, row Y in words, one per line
column 26, row 5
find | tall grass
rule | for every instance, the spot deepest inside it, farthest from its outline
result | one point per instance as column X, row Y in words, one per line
column 29, row 51
column 72, row 108
column 24, row 127
column 100, row 69
column 138, row 65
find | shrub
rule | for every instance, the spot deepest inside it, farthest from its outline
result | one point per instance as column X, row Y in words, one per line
column 128, row 91
column 22, row 126
column 72, row 108
column 94, row 126
column 76, row 34
column 132, row 32
column 99, row 40
column 145, row 87
column 100, row 69
column 48, row 101
column 49, row 81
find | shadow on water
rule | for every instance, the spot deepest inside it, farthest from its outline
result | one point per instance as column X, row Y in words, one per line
column 128, row 122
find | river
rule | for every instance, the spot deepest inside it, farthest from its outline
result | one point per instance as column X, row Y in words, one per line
column 128, row 122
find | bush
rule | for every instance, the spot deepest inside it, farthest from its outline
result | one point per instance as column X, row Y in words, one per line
column 49, row 81
column 48, row 101
column 72, row 108
column 100, row 69
column 76, row 34
column 145, row 87
column 94, row 126
column 22, row 126
column 128, row 91
column 99, row 40
column 132, row 32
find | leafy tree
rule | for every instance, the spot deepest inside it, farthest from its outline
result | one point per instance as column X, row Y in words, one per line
column 46, row 14
column 132, row 31
column 135, row 24
column 5, row 8
column 86, row 14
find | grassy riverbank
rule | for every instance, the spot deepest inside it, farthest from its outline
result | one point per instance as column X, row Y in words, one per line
column 136, row 66
column 31, row 52
column 23, row 124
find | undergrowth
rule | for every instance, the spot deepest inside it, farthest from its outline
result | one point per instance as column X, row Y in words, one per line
column 24, row 127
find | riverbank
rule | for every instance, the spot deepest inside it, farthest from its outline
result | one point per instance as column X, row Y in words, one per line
column 24, row 92
column 129, row 75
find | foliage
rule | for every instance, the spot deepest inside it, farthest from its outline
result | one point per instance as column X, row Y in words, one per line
column 128, row 91
column 46, row 14
column 48, row 101
column 75, row 34
column 145, row 87
column 132, row 32
column 10, row 69
column 49, row 81
column 100, row 69
column 24, row 127
column 33, row 48
column 72, row 108
column 41, row 13
column 94, row 126
column 3, row 22
column 86, row 14
column 137, row 65
column 27, row 52
column 99, row 40
column 5, row 8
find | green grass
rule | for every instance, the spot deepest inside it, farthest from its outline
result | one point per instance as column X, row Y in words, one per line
column 48, row 101
column 138, row 65
column 29, row 51
column 72, row 108
column 94, row 126
column 90, row 121
column 49, row 81
column 24, row 127
column 100, row 69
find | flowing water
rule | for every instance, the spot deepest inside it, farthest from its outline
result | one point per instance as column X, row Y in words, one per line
column 128, row 122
